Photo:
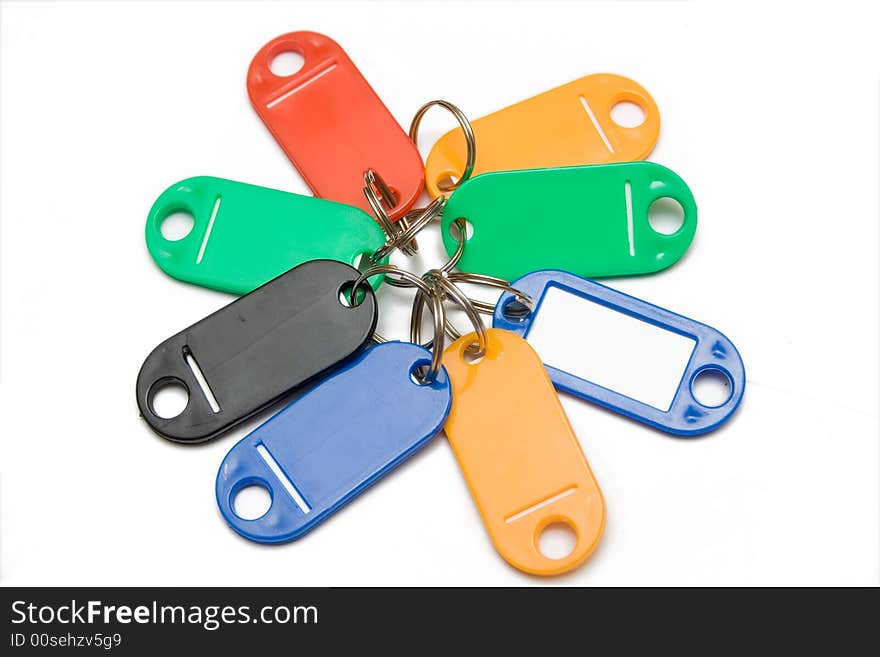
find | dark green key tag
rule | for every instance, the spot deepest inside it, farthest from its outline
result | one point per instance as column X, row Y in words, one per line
column 591, row 220
column 244, row 235
column 256, row 350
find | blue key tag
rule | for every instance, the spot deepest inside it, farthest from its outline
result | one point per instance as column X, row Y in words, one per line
column 335, row 441
column 695, row 354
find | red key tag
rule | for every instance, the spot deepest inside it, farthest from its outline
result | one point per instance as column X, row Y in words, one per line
column 331, row 123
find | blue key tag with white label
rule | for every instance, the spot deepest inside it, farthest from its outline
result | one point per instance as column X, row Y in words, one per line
column 658, row 367
column 335, row 441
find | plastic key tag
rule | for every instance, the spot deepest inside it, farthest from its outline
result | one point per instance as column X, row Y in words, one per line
column 334, row 442
column 331, row 124
column 566, row 126
column 243, row 235
column 519, row 455
column 256, row 350
column 652, row 367
column 590, row 220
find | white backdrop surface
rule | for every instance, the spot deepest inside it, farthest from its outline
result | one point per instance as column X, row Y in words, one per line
column 769, row 112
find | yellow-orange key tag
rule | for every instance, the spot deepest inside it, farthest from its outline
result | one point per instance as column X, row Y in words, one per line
column 566, row 126
column 519, row 454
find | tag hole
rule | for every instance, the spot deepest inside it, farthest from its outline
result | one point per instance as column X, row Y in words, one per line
column 456, row 232
column 665, row 215
column 252, row 502
column 470, row 354
column 177, row 225
column 557, row 540
column 286, row 64
column 627, row 115
column 168, row 398
column 514, row 310
column 711, row 387
column 446, row 182
column 345, row 295
column 395, row 195
column 419, row 371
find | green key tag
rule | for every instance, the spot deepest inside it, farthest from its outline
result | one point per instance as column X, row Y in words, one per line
column 591, row 220
column 244, row 236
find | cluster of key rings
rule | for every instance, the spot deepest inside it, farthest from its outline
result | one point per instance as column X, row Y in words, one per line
column 438, row 285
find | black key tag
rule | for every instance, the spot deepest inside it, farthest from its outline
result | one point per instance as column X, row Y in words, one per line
column 256, row 350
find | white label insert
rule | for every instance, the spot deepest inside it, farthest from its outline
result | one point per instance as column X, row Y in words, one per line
column 609, row 348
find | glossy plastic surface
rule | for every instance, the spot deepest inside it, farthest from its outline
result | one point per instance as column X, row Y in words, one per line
column 335, row 441
column 331, row 123
column 244, row 235
column 713, row 351
column 552, row 129
column 257, row 349
column 519, row 454
column 589, row 220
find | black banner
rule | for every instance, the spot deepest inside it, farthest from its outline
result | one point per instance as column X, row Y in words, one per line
column 404, row 621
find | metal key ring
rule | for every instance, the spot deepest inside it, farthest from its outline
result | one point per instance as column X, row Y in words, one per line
column 437, row 341
column 415, row 318
column 373, row 182
column 437, row 310
column 420, row 219
column 470, row 141
column 445, row 268
column 374, row 187
column 464, row 302
column 499, row 283
column 451, row 290
column 375, row 270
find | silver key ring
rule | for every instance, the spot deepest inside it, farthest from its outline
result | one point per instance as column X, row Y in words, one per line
column 445, row 268
column 376, row 192
column 415, row 318
column 450, row 290
column 469, row 138
column 419, row 218
column 437, row 341
column 499, row 283
column 526, row 302
column 374, row 187
column 437, row 309
column 375, row 270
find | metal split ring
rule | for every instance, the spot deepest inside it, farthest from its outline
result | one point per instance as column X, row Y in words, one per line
column 375, row 270
column 376, row 192
column 470, row 141
column 524, row 300
column 446, row 268
column 450, row 290
column 437, row 309
column 419, row 218
column 437, row 342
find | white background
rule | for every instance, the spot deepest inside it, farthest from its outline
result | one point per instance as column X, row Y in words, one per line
column 770, row 113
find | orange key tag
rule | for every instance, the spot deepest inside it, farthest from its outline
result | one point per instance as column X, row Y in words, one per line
column 518, row 453
column 566, row 126
column 331, row 123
